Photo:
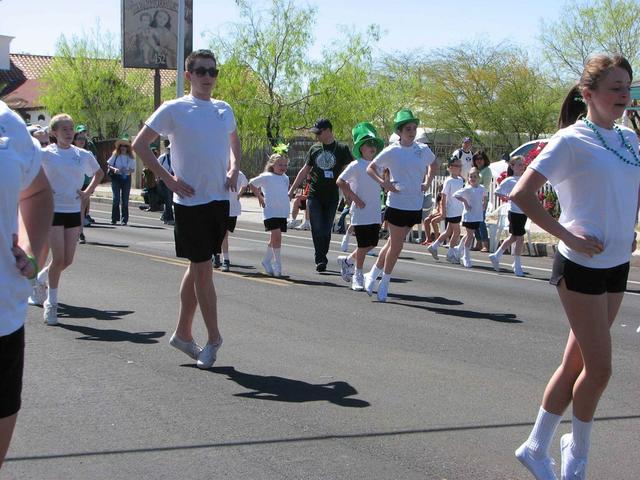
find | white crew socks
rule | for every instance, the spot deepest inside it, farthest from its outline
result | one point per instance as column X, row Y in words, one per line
column 52, row 296
column 581, row 435
column 386, row 278
column 436, row 244
column 225, row 256
column 542, row 434
column 268, row 255
column 517, row 261
column 375, row 272
column 276, row 255
column 43, row 276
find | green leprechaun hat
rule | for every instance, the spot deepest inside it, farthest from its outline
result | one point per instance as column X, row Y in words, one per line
column 363, row 132
column 404, row 116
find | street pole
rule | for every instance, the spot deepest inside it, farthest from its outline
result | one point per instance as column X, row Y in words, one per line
column 180, row 73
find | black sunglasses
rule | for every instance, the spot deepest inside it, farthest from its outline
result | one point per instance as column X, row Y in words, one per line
column 201, row 71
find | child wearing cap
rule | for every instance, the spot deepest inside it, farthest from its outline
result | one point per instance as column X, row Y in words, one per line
column 364, row 193
column 408, row 163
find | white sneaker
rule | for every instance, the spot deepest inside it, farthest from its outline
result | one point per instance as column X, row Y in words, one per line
column 572, row 468
column 466, row 261
column 277, row 270
column 517, row 270
column 344, row 245
column 192, row 349
column 304, row 226
column 50, row 314
column 346, row 269
column 267, row 267
column 495, row 261
column 451, row 256
column 357, row 282
column 293, row 223
column 39, row 294
column 383, row 290
column 369, row 282
column 208, row 355
column 433, row 251
column 541, row 469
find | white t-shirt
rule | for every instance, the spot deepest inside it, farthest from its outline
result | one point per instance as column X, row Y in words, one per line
column 466, row 158
column 598, row 192
column 235, row 209
column 408, row 167
column 20, row 159
column 474, row 196
column 275, row 189
column 505, row 188
column 365, row 187
column 449, row 188
column 124, row 163
column 199, row 134
column 65, row 169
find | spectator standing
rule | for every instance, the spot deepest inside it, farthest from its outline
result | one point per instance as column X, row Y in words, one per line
column 121, row 165
column 165, row 193
column 325, row 161
column 481, row 162
column 465, row 156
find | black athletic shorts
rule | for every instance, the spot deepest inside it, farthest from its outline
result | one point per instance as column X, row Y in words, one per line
column 367, row 235
column 275, row 224
column 66, row 220
column 11, row 368
column 200, row 229
column 517, row 222
column 402, row 218
column 231, row 224
column 471, row 225
column 592, row 281
column 449, row 220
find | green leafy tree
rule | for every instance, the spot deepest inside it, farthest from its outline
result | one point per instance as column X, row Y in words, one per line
column 589, row 27
column 87, row 81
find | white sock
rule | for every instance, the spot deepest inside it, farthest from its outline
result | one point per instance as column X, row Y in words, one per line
column 225, row 255
column 52, row 296
column 276, row 255
column 375, row 272
column 386, row 278
column 268, row 255
column 358, row 271
column 465, row 252
column 542, row 434
column 517, row 262
column 43, row 276
column 436, row 244
column 581, row 437
column 500, row 250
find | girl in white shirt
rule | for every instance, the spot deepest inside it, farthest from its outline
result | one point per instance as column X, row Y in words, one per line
column 272, row 190
column 65, row 166
column 473, row 198
column 594, row 166
column 517, row 219
column 235, row 209
column 451, row 209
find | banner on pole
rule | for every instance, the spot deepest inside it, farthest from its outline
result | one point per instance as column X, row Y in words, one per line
column 150, row 33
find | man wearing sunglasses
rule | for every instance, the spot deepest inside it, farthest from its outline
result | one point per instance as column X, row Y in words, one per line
column 205, row 158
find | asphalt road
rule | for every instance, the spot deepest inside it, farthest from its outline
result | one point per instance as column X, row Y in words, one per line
column 313, row 381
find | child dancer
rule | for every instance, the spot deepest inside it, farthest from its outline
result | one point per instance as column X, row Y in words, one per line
column 473, row 198
column 594, row 166
column 65, row 166
column 451, row 210
column 235, row 209
column 408, row 163
column 364, row 192
column 517, row 219
column 432, row 221
column 272, row 190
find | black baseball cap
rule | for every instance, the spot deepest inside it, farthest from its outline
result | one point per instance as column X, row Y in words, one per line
column 320, row 125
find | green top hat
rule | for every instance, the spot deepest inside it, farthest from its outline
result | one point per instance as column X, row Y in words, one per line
column 404, row 116
column 363, row 132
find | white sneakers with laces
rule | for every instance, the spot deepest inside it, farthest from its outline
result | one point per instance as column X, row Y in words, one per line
column 433, row 251
column 50, row 314
column 357, row 283
column 495, row 261
column 541, row 469
column 192, row 349
column 39, row 294
column 208, row 355
column 346, row 268
column 571, row 468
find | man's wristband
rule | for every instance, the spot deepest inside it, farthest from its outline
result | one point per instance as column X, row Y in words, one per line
column 34, row 262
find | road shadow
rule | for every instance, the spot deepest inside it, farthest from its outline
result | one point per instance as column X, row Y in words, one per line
column 281, row 389
column 418, row 298
column 101, row 225
column 146, row 227
column 114, row 245
column 494, row 317
column 72, row 311
column 241, row 267
column 313, row 283
column 113, row 335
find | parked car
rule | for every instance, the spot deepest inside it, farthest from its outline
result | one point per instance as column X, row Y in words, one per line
column 501, row 166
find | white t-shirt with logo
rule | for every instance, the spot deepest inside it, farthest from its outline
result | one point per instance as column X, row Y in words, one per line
column 275, row 189
column 454, row 206
column 598, row 192
column 200, row 148
column 408, row 168
column 66, row 169
column 474, row 197
column 505, row 188
column 365, row 187
column 235, row 209
column 466, row 159
column 20, row 160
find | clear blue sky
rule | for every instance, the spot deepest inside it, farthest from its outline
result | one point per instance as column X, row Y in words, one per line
column 37, row 24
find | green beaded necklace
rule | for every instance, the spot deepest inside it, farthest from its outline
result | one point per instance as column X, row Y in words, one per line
column 626, row 144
